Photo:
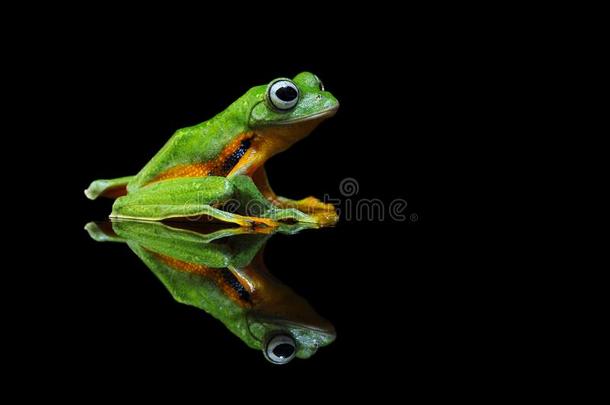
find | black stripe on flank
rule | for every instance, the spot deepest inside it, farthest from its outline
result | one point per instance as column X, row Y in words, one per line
column 232, row 160
column 230, row 279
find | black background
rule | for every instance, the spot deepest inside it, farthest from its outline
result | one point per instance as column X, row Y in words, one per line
column 392, row 289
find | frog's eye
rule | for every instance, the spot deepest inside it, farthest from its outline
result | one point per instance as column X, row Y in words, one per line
column 320, row 84
column 280, row 349
column 283, row 94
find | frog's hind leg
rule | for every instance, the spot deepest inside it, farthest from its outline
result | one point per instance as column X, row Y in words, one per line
column 191, row 198
column 279, row 211
column 111, row 188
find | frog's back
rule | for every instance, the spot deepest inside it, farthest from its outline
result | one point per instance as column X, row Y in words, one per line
column 194, row 151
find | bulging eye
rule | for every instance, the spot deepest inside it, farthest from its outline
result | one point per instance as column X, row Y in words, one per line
column 280, row 349
column 283, row 94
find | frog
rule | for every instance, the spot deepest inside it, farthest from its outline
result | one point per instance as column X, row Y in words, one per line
column 216, row 170
column 221, row 270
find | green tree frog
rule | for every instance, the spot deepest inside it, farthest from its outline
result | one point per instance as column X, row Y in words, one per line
column 222, row 272
column 216, row 169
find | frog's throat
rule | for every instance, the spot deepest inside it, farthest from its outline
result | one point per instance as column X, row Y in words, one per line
column 271, row 140
column 278, row 304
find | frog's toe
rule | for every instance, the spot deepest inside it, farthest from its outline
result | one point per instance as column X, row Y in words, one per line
column 326, row 217
column 265, row 221
column 314, row 204
column 307, row 205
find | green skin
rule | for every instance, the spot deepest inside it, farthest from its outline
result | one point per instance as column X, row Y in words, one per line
column 229, row 248
column 199, row 196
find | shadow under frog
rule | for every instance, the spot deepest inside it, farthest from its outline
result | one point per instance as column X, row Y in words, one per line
column 222, row 272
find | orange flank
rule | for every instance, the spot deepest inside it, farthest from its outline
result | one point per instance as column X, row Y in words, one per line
column 229, row 285
column 216, row 167
column 246, row 153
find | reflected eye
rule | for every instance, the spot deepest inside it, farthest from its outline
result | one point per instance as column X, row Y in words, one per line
column 320, row 83
column 283, row 94
column 280, row 349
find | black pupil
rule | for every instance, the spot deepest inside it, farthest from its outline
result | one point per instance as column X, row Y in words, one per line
column 286, row 93
column 283, row 350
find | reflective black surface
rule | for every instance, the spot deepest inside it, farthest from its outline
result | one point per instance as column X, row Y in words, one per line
column 390, row 288
column 379, row 292
column 221, row 270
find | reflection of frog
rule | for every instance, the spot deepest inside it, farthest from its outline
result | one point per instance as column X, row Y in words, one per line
column 202, row 168
column 222, row 272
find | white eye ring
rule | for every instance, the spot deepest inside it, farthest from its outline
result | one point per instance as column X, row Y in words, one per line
column 280, row 349
column 283, row 94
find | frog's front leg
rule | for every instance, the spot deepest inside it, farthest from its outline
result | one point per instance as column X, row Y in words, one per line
column 325, row 213
column 184, row 198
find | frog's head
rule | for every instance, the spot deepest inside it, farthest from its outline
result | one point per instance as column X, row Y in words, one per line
column 283, row 324
column 284, row 339
column 285, row 102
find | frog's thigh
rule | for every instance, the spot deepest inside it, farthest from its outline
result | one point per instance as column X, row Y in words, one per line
column 184, row 197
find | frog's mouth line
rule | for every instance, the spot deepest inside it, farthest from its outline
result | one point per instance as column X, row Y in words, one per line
column 326, row 330
column 322, row 114
column 328, row 336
